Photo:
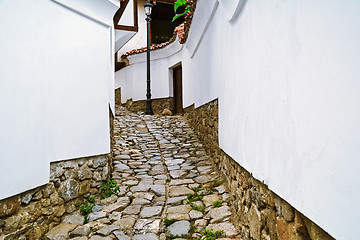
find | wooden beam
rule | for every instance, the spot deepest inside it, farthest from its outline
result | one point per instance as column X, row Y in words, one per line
column 136, row 20
column 172, row 2
column 126, row 28
column 120, row 12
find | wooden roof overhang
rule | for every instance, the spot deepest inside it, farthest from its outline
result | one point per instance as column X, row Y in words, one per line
column 166, row 1
column 119, row 13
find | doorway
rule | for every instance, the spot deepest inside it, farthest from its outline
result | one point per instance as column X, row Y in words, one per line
column 177, row 84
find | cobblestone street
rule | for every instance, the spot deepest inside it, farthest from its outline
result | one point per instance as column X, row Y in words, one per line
column 167, row 187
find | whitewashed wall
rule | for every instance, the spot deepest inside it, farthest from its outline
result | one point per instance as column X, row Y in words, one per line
column 287, row 78
column 56, row 84
column 140, row 37
column 132, row 79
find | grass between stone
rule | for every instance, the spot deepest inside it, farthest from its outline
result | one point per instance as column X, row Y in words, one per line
column 217, row 203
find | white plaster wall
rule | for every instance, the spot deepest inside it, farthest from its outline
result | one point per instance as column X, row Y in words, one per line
column 56, row 81
column 286, row 76
column 128, row 16
column 290, row 94
column 139, row 39
column 97, row 10
column 127, row 19
column 132, row 79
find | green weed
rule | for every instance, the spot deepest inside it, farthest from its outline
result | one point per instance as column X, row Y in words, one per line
column 197, row 208
column 209, row 191
column 217, row 203
column 85, row 210
column 210, row 235
column 91, row 199
column 109, row 188
column 194, row 197
column 197, row 189
column 168, row 222
column 215, row 183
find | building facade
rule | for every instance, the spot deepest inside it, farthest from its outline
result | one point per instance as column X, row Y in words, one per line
column 285, row 81
column 56, row 94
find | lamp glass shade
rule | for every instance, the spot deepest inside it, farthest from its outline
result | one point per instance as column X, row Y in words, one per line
column 148, row 8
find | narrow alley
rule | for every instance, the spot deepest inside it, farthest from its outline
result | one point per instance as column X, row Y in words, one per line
column 168, row 188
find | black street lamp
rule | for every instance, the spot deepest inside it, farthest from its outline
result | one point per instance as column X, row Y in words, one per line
column 148, row 7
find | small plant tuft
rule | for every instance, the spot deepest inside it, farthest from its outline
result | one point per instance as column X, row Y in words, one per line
column 168, row 222
column 210, row 235
column 109, row 188
column 197, row 189
column 209, row 191
column 217, row 203
column 194, row 197
column 91, row 199
column 215, row 183
column 197, row 208
column 186, row 236
column 85, row 210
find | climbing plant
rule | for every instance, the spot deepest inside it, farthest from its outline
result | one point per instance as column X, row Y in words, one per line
column 180, row 3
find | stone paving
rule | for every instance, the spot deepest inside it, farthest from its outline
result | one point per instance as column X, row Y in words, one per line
column 167, row 187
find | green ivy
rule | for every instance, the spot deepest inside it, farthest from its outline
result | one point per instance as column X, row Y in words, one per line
column 178, row 4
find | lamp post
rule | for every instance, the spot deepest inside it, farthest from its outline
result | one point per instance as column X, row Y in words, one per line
column 148, row 7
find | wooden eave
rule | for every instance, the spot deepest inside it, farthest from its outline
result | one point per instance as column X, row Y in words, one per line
column 119, row 13
column 172, row 2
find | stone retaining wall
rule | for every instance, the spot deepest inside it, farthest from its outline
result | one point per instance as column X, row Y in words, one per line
column 112, row 137
column 261, row 214
column 31, row 214
column 158, row 105
column 118, row 96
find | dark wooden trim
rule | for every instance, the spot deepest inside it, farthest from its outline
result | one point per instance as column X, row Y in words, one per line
column 178, row 90
column 126, row 28
column 172, row 2
column 135, row 28
column 119, row 66
column 115, row 60
column 136, row 21
column 120, row 12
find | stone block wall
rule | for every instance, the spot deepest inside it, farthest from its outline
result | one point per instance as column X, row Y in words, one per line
column 112, row 137
column 31, row 214
column 118, row 96
column 158, row 105
column 204, row 120
column 260, row 213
